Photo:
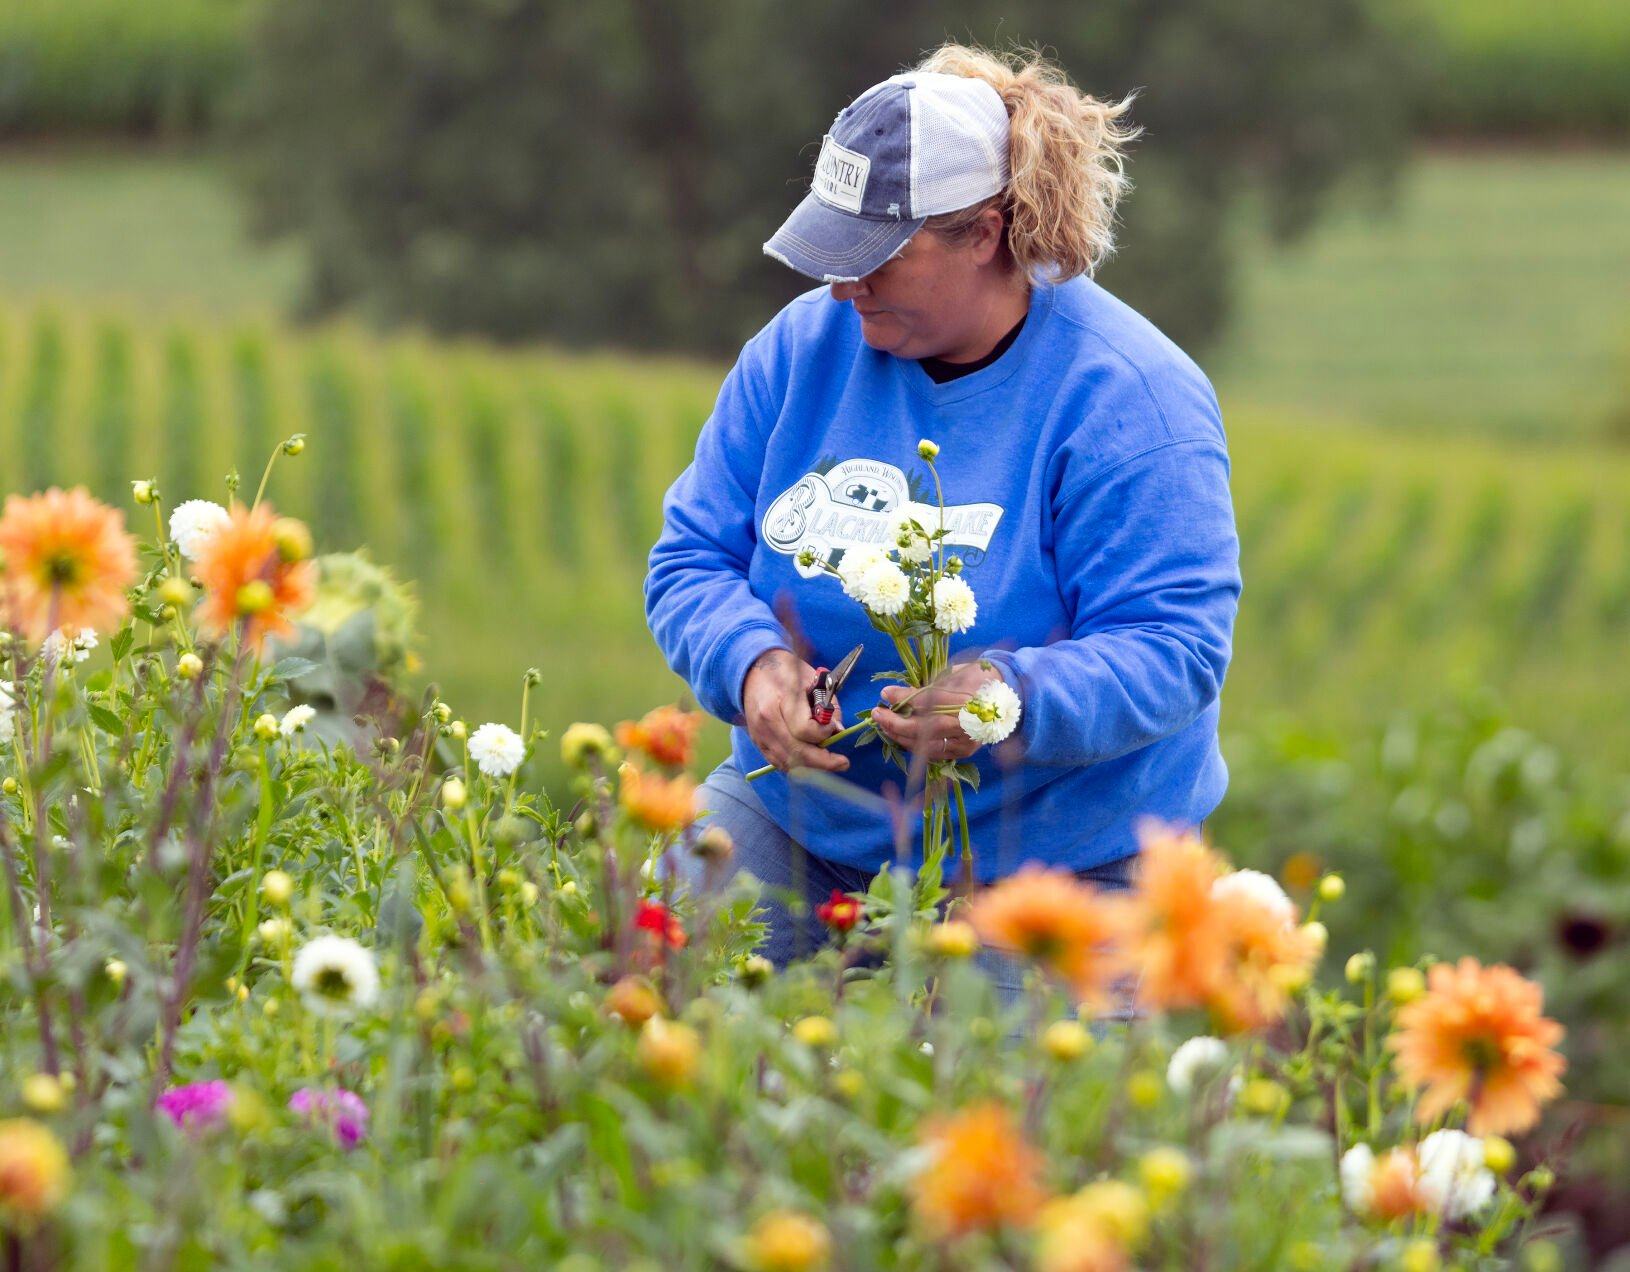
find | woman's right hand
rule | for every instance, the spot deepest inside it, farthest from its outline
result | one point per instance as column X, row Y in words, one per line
column 775, row 702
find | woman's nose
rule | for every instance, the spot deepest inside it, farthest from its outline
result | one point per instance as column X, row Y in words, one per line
column 848, row 291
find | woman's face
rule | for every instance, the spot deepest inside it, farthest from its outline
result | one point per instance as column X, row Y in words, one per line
column 930, row 301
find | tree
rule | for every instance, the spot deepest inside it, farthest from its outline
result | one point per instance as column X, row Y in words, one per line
column 607, row 173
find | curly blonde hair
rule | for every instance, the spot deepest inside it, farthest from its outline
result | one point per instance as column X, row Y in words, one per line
column 1066, row 157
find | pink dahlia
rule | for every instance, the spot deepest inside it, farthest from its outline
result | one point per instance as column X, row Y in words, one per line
column 342, row 1110
column 198, row 1106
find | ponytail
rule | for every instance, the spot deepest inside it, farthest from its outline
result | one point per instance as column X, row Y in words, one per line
column 1066, row 162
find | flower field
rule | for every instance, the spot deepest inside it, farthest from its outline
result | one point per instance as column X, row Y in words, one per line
column 1378, row 567
column 274, row 1003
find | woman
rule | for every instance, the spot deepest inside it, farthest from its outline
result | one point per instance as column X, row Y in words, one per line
column 956, row 214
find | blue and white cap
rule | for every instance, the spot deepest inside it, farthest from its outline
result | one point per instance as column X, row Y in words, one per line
column 912, row 147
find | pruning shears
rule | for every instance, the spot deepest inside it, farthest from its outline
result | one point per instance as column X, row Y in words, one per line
column 823, row 694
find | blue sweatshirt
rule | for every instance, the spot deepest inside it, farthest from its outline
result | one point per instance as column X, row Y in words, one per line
column 1085, row 477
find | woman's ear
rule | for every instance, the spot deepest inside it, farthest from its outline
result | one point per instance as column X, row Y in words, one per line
column 986, row 236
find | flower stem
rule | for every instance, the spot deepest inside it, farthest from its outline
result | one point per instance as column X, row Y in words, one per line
column 967, row 845
column 863, row 722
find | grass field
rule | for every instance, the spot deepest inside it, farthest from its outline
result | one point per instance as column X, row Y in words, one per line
column 1493, row 300
column 148, row 228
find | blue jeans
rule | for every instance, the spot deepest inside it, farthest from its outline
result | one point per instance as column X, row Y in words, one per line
column 782, row 864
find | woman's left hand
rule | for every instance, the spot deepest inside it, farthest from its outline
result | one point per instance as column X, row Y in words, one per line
column 936, row 734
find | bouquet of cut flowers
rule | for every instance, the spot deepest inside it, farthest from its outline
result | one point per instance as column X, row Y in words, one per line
column 914, row 593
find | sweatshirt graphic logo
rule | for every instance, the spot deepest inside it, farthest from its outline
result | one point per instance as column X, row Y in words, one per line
column 850, row 506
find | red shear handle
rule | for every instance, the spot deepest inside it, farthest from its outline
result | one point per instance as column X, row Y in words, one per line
column 821, row 702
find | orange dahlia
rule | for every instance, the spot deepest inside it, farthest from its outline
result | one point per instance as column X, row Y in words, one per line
column 254, row 575
column 1394, row 1185
column 65, row 561
column 980, row 1175
column 34, row 1172
column 666, row 734
column 1478, row 1035
column 1269, row 957
column 657, row 803
column 1179, row 939
column 1053, row 917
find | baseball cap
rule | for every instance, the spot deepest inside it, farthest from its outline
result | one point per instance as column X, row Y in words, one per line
column 916, row 145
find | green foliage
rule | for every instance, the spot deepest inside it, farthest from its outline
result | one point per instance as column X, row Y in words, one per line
column 1459, row 832
column 1515, row 67
column 607, row 174
column 153, row 66
column 355, row 639
column 172, row 860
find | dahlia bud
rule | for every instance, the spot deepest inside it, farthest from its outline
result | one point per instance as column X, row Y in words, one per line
column 175, row 591
column 42, row 1093
column 1405, row 984
column 953, row 939
column 277, row 887
column 715, row 844
column 292, row 538
column 1066, row 1040
column 755, row 970
column 815, row 1031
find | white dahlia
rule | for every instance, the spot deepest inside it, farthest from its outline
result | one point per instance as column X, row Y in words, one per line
column 1255, row 886
column 334, row 974
column 1358, row 1178
column 1192, row 1062
column 954, row 606
column 193, row 522
column 991, row 714
column 57, row 645
column 884, row 588
column 497, row 749
column 1454, row 1181
column 911, row 543
column 852, row 568
column 295, row 720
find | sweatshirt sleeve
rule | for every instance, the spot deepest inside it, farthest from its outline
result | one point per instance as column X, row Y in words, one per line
column 698, row 604
column 1148, row 565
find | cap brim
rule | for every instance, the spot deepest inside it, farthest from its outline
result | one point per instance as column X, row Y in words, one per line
column 837, row 247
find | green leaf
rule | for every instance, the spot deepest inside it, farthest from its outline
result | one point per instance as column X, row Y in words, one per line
column 122, row 640
column 289, row 668
column 107, row 721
